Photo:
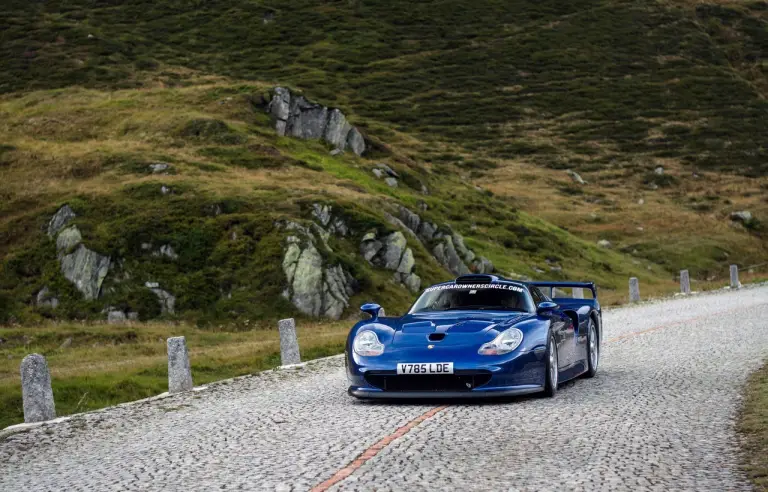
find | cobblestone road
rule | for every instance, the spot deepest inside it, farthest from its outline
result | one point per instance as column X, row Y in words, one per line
column 659, row 416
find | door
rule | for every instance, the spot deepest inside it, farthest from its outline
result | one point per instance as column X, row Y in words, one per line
column 562, row 330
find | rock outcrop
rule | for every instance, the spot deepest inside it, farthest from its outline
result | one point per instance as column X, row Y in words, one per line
column 46, row 299
column 576, row 177
column 297, row 117
column 166, row 299
column 743, row 216
column 315, row 288
column 60, row 220
column 81, row 266
column 446, row 246
column 446, row 254
column 392, row 252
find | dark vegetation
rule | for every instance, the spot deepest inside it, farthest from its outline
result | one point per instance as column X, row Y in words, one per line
column 655, row 78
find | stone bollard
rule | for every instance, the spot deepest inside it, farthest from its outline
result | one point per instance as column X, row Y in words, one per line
column 577, row 293
column 735, row 284
column 36, row 391
column 685, row 282
column 179, row 372
column 289, row 344
column 634, row 290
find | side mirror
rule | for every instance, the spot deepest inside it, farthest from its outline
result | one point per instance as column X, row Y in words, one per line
column 546, row 308
column 372, row 309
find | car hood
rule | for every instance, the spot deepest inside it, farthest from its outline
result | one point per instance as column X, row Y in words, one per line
column 452, row 328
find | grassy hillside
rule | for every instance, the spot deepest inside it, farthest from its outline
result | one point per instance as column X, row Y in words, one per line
column 485, row 104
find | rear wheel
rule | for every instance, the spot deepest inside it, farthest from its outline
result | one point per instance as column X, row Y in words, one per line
column 551, row 379
column 593, row 350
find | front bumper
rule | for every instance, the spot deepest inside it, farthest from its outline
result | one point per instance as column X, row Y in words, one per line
column 517, row 374
column 376, row 393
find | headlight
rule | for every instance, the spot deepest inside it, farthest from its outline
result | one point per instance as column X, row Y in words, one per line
column 367, row 344
column 503, row 344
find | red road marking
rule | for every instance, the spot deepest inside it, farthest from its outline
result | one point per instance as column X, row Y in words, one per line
column 374, row 450
column 383, row 443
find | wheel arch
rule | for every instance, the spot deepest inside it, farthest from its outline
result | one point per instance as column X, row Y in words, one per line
column 598, row 327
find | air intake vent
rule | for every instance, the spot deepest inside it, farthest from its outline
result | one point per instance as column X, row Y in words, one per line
column 476, row 279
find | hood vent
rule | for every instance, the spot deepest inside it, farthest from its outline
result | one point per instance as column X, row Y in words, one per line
column 476, row 279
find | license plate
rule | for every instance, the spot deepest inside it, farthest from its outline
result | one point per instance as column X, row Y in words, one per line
column 425, row 368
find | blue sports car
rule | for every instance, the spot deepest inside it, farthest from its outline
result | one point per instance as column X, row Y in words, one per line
column 478, row 336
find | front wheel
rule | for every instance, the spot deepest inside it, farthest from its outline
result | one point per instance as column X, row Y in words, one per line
column 550, row 384
column 593, row 350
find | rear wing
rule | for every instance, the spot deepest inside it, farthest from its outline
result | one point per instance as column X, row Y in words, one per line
column 552, row 286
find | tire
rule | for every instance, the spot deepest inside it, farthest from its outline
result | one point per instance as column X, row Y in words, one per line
column 593, row 350
column 551, row 377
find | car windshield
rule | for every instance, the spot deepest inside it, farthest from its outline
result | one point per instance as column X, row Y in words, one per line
column 481, row 297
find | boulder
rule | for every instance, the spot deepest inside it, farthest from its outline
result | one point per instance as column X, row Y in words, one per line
column 482, row 265
column 392, row 253
column 387, row 170
column 392, row 182
column 308, row 281
column 322, row 213
column 743, row 216
column 67, row 240
column 86, row 269
column 60, row 220
column 576, row 177
column 413, row 282
column 411, row 220
column 370, row 248
column 355, row 141
column 336, row 291
column 291, row 258
column 280, row 109
column 115, row 317
column 604, row 243
column 309, row 120
column 399, row 224
column 159, row 167
column 394, row 246
column 337, row 129
column 659, row 171
column 327, row 224
column 407, row 262
column 46, row 299
column 427, row 231
column 298, row 117
column 167, row 300
column 445, row 253
column 312, row 288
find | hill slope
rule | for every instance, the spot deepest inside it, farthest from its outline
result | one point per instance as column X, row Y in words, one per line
column 476, row 109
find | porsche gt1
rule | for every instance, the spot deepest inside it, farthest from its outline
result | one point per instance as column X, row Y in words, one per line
column 478, row 336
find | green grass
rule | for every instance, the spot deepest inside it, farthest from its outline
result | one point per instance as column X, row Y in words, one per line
column 753, row 427
column 106, row 365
